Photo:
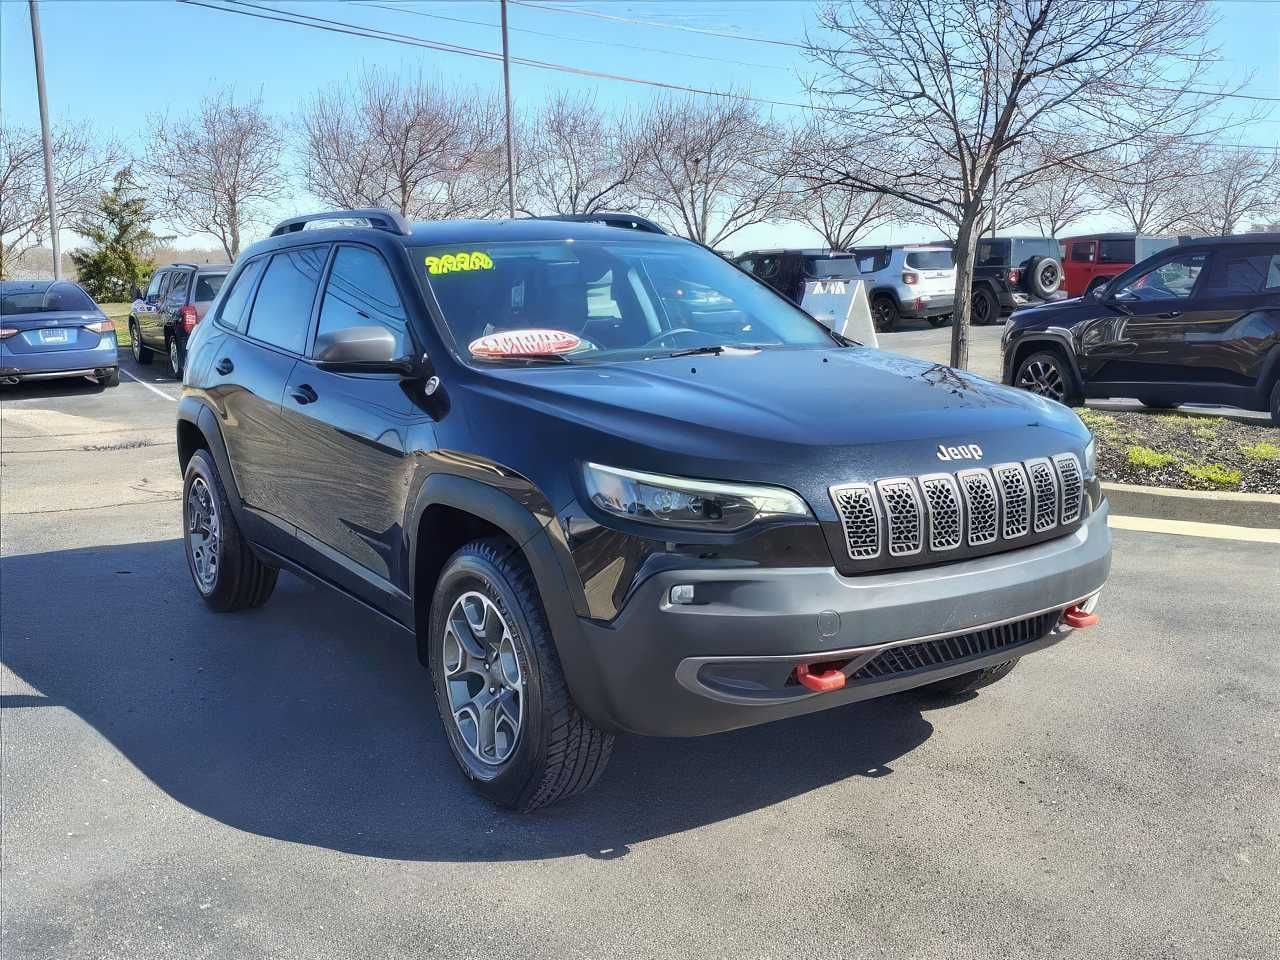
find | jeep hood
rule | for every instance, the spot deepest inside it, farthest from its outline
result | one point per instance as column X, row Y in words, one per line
column 831, row 413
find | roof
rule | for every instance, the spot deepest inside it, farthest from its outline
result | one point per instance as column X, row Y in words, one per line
column 527, row 229
column 202, row 267
column 1233, row 240
column 803, row 251
column 1115, row 236
column 27, row 286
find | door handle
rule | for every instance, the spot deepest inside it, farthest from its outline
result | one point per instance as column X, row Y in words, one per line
column 304, row 394
column 225, row 366
column 1171, row 315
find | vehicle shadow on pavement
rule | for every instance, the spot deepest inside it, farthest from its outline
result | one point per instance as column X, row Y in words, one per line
column 311, row 721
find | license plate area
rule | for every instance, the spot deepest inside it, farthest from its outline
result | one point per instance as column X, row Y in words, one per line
column 55, row 336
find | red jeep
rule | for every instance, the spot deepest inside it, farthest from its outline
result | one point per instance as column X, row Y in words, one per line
column 1091, row 260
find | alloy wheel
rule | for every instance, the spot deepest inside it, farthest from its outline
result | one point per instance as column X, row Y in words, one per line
column 175, row 359
column 1043, row 378
column 135, row 344
column 483, row 678
column 204, row 534
column 1049, row 277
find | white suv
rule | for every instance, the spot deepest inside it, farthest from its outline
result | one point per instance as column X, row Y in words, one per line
column 908, row 281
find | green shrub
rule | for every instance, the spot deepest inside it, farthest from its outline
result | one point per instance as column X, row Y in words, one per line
column 1147, row 459
column 1213, row 475
column 1262, row 450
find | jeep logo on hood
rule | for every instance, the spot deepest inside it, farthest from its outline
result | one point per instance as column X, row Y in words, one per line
column 966, row 451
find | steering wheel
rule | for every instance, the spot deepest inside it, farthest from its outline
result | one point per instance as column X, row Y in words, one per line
column 657, row 341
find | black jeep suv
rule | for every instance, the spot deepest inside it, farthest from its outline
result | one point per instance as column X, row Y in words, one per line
column 1195, row 323
column 1011, row 273
column 612, row 483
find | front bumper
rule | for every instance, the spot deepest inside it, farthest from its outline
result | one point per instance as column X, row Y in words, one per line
column 722, row 662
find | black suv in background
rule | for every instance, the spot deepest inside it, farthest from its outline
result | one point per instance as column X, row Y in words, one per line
column 1196, row 323
column 788, row 270
column 1010, row 273
column 162, row 318
column 611, row 483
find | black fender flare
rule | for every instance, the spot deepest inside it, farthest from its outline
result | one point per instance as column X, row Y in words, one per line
column 200, row 415
column 885, row 292
column 1268, row 376
column 544, row 548
column 1052, row 336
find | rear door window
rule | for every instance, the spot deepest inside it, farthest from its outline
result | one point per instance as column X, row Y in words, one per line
column 207, row 287
column 1116, row 251
column 1245, row 271
column 281, row 312
column 361, row 293
column 178, row 288
column 233, row 309
column 1082, row 251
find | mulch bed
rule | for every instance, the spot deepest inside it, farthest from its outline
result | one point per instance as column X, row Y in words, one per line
column 1185, row 452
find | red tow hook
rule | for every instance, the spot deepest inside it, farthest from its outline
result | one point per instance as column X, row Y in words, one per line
column 823, row 681
column 1078, row 618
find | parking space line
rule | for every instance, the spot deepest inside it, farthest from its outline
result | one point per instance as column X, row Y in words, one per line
column 153, row 389
column 1192, row 528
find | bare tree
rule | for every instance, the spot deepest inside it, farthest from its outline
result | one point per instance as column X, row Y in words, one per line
column 217, row 170
column 1149, row 184
column 575, row 158
column 709, row 168
column 81, row 166
column 421, row 148
column 1057, row 198
column 955, row 94
column 845, row 216
column 1239, row 186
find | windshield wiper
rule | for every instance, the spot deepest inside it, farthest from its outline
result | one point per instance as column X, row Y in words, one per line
column 716, row 349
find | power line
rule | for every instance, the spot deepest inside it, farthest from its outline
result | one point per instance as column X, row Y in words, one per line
column 556, row 36
column 373, row 33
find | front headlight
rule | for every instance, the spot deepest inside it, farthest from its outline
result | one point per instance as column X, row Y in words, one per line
column 693, row 504
column 1091, row 458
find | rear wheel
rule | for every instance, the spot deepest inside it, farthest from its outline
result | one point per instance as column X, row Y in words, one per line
column 112, row 379
column 884, row 311
column 141, row 354
column 942, row 321
column 177, row 358
column 1275, row 404
column 507, row 711
column 984, row 308
column 224, row 568
column 1046, row 374
column 967, row 682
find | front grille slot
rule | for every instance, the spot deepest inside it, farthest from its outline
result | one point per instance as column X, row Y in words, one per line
column 982, row 509
column 903, row 516
column 1072, row 485
column 981, row 505
column 856, row 504
column 933, row 653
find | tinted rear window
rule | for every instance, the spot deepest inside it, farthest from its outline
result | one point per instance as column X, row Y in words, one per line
column 1025, row 249
column 207, row 287
column 823, row 267
column 930, row 259
column 281, row 311
column 55, row 298
column 1115, row 251
column 992, row 253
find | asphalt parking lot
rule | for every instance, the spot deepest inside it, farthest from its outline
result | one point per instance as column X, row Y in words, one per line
column 277, row 784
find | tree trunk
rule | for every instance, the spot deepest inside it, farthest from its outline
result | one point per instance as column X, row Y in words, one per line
column 965, row 249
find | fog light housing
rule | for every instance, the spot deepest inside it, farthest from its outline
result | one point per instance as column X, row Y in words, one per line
column 682, row 593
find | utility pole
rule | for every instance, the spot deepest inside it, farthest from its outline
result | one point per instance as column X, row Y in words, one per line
column 48, row 145
column 506, row 83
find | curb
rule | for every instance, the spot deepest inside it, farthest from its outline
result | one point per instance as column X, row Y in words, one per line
column 1260, row 510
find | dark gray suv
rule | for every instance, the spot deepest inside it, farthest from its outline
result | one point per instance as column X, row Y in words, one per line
column 610, row 482
column 162, row 318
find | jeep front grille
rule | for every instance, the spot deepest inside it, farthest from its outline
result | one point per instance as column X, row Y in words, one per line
column 978, row 507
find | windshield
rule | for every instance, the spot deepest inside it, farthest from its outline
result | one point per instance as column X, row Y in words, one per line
column 55, row 298
column 605, row 300
column 930, row 259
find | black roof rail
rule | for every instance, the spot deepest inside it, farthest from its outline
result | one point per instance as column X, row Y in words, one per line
column 630, row 221
column 379, row 219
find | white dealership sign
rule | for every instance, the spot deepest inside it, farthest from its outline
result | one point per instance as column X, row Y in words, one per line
column 842, row 305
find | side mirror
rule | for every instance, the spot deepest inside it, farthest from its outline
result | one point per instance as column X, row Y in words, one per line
column 370, row 349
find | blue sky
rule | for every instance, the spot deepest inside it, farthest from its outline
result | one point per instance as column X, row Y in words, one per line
column 114, row 62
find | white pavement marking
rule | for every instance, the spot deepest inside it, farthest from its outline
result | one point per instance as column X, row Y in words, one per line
column 1191, row 528
column 153, row 389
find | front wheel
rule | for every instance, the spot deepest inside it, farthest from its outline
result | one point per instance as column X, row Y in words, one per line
column 967, row 682
column 941, row 321
column 1046, row 375
column 224, row 568
column 507, row 711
